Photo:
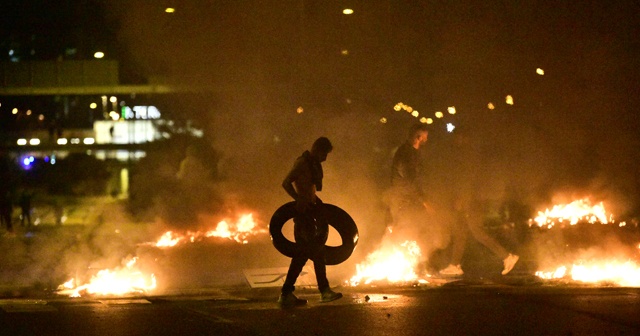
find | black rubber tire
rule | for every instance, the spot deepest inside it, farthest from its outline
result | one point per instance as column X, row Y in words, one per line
column 335, row 216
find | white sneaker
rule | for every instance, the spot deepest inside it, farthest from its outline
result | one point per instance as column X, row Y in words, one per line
column 452, row 270
column 509, row 262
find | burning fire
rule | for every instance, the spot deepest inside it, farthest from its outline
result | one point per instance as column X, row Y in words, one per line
column 126, row 280
column 574, row 212
column 625, row 274
column 594, row 271
column 391, row 263
column 238, row 231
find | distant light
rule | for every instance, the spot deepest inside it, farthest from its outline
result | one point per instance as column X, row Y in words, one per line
column 383, row 120
column 46, row 159
column 540, row 71
column 347, row 11
column 41, row 117
column 415, row 114
column 439, row 114
column 451, row 109
column 408, row 108
column 11, row 52
column 113, row 99
column 509, row 100
column 29, row 112
column 31, row 159
column 26, row 161
column 114, row 115
column 98, row 54
column 89, row 141
column 93, row 106
column 14, row 111
column 75, row 141
column 62, row 141
column 34, row 142
column 429, row 121
column 423, row 120
column 22, row 142
column 170, row 10
column 491, row 106
column 344, row 52
column 299, row 110
column 450, row 127
column 398, row 107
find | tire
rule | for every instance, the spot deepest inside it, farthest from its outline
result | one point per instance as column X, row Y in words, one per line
column 335, row 216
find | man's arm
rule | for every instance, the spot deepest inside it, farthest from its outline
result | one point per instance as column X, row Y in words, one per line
column 291, row 177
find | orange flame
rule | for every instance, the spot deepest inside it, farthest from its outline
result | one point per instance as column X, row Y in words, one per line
column 121, row 281
column 574, row 212
column 625, row 274
column 394, row 264
column 238, row 231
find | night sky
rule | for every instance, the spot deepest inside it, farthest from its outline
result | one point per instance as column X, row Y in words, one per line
column 572, row 131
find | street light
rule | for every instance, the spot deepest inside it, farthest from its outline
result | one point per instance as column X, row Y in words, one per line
column 347, row 11
column 98, row 54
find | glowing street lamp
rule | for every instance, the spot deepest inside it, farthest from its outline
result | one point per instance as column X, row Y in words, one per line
column 347, row 11
column 98, row 54
column 170, row 10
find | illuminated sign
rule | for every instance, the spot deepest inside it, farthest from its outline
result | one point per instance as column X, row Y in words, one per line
column 140, row 112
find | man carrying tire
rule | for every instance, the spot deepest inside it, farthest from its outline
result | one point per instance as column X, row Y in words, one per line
column 310, row 230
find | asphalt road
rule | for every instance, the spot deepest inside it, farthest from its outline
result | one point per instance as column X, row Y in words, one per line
column 453, row 309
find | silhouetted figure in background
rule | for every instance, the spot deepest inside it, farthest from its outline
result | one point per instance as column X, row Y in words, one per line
column 6, row 185
column 310, row 231
column 467, row 207
column 6, row 208
column 407, row 201
column 25, row 206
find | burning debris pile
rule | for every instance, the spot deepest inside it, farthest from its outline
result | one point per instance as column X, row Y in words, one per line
column 572, row 214
column 119, row 281
column 390, row 264
column 133, row 279
column 583, row 257
column 238, row 231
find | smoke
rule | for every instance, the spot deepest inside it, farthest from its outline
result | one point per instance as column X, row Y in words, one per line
column 261, row 63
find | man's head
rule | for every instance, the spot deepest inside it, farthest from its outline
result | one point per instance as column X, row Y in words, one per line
column 320, row 148
column 418, row 135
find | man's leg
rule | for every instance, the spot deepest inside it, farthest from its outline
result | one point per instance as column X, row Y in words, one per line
column 295, row 268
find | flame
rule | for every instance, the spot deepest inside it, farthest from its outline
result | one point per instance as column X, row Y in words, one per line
column 239, row 231
column 391, row 263
column 574, row 212
column 120, row 281
column 625, row 274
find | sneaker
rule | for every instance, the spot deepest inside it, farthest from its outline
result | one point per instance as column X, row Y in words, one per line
column 509, row 262
column 290, row 300
column 452, row 270
column 328, row 295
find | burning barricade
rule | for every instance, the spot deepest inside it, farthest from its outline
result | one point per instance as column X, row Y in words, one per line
column 580, row 242
column 135, row 277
